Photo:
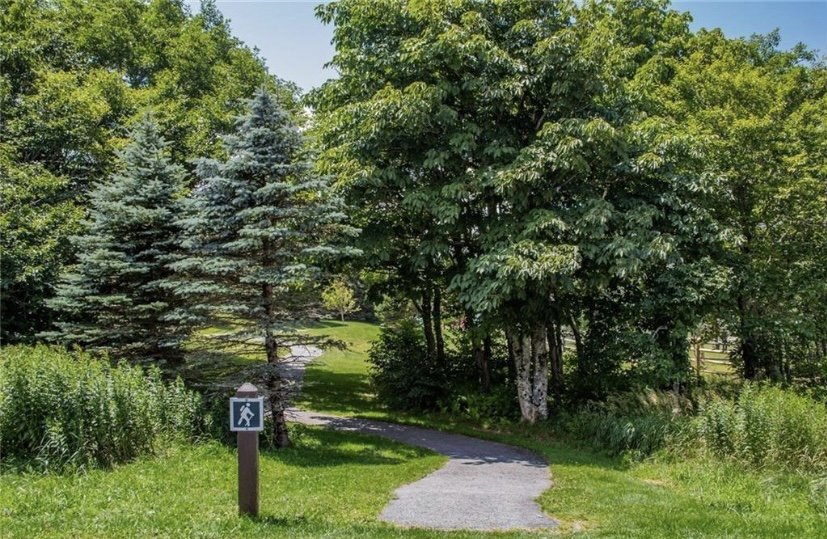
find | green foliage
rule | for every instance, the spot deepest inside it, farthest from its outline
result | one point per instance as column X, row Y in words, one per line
column 63, row 411
column 760, row 114
column 499, row 404
column 766, row 426
column 338, row 297
column 403, row 375
column 35, row 223
column 76, row 76
column 257, row 230
column 512, row 152
column 112, row 300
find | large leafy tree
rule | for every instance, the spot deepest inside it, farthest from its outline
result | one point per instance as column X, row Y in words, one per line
column 258, row 230
column 761, row 112
column 111, row 300
column 507, row 148
column 75, row 77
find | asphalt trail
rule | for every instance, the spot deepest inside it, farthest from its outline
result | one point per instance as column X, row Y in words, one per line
column 483, row 486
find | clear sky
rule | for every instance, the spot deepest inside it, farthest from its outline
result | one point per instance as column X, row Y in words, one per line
column 296, row 45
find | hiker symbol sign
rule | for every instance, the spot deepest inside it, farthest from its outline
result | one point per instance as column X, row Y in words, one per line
column 246, row 414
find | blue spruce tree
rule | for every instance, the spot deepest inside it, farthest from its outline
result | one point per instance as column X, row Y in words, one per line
column 112, row 299
column 259, row 231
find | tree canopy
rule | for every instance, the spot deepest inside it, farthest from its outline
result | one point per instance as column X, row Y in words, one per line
column 76, row 77
column 534, row 161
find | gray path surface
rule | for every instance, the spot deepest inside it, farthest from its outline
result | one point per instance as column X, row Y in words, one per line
column 484, row 486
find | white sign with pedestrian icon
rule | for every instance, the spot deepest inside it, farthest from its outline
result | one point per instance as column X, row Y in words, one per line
column 246, row 414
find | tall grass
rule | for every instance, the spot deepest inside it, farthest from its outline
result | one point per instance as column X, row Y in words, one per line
column 759, row 426
column 62, row 410
column 766, row 426
column 633, row 424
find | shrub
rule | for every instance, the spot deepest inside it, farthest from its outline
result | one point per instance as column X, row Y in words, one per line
column 401, row 372
column 766, row 426
column 498, row 404
column 62, row 410
column 631, row 424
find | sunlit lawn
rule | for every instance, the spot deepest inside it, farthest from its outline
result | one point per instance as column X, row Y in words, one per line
column 593, row 495
column 333, row 484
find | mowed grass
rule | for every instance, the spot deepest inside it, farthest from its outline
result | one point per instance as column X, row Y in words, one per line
column 335, row 484
column 329, row 484
column 594, row 495
column 338, row 381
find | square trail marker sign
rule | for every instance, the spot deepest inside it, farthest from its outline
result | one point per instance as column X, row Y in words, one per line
column 246, row 414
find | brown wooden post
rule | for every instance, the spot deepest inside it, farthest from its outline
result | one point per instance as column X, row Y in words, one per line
column 247, row 462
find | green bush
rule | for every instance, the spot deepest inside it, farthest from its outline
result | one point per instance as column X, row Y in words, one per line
column 766, row 426
column 62, row 410
column 500, row 403
column 401, row 372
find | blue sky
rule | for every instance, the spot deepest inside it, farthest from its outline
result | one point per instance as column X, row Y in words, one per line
column 296, row 45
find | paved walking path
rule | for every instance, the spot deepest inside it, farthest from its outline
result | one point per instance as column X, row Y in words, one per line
column 484, row 486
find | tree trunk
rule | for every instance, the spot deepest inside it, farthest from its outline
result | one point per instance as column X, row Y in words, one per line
column 578, row 344
column 749, row 354
column 486, row 361
column 439, row 339
column 531, row 358
column 482, row 352
column 427, row 323
column 276, row 392
column 556, row 345
column 512, row 359
column 275, row 384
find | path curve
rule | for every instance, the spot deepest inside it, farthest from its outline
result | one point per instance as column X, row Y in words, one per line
column 484, row 485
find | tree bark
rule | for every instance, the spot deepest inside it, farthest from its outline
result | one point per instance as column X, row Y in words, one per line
column 749, row 354
column 531, row 358
column 578, row 343
column 556, row 344
column 437, row 321
column 539, row 355
column 276, row 397
column 427, row 323
column 512, row 359
column 486, row 361
column 274, row 381
column 482, row 351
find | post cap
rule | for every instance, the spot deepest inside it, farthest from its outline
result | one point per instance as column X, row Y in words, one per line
column 246, row 390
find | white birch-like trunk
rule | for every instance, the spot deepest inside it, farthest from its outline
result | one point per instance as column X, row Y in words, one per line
column 531, row 362
column 539, row 356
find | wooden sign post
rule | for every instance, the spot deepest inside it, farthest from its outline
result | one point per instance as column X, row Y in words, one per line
column 247, row 418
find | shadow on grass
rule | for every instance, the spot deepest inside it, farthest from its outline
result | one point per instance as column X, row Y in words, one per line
column 327, row 324
column 319, row 447
column 340, row 392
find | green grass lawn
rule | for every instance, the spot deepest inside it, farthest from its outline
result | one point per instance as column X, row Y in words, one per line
column 338, row 381
column 334, row 484
column 330, row 483
column 593, row 495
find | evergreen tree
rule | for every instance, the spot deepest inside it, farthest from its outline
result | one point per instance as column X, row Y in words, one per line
column 258, row 229
column 112, row 299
